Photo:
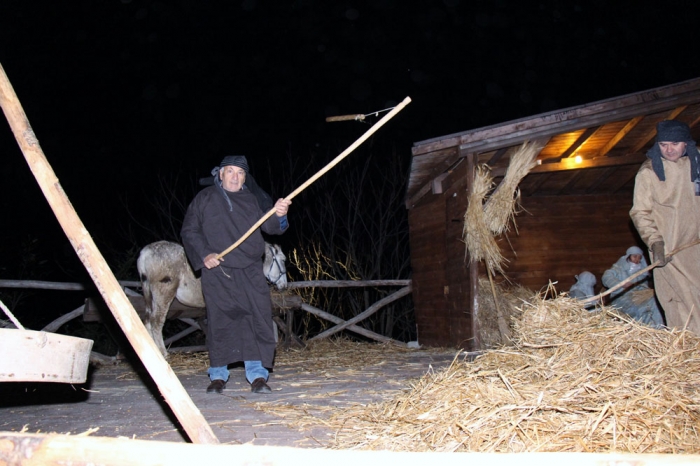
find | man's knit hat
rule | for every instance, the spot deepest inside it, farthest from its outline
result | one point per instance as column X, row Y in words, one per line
column 674, row 131
column 235, row 160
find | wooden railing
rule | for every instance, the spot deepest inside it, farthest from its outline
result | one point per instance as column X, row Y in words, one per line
column 190, row 315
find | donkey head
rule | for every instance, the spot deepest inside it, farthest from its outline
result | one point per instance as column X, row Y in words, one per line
column 274, row 267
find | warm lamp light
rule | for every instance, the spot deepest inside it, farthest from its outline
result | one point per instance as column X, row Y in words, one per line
column 578, row 159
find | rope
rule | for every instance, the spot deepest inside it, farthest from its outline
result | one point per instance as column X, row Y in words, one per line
column 358, row 117
column 376, row 114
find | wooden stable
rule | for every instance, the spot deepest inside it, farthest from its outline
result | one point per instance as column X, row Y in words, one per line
column 575, row 202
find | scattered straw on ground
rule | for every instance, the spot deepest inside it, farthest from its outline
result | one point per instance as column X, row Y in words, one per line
column 189, row 363
column 575, row 381
column 333, row 354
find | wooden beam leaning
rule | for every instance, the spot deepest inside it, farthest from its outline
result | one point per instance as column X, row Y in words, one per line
column 174, row 393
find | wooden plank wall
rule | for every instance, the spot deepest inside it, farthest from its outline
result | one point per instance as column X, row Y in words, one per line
column 426, row 231
column 440, row 275
column 458, row 293
column 561, row 236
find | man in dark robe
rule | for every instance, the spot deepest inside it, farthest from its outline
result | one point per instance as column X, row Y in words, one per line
column 237, row 297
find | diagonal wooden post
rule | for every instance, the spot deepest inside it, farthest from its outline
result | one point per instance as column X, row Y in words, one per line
column 366, row 313
column 187, row 413
column 321, row 172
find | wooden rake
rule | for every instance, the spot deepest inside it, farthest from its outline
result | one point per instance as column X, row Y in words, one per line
column 320, row 173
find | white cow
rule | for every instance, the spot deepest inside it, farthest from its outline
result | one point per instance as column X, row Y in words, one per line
column 165, row 275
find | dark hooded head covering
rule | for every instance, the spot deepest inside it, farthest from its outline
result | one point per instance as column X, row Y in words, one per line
column 236, row 160
column 264, row 199
column 674, row 131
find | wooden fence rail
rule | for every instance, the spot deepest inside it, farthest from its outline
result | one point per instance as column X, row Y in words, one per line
column 340, row 324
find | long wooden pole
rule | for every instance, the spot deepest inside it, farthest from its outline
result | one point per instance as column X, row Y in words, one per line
column 320, row 173
column 187, row 413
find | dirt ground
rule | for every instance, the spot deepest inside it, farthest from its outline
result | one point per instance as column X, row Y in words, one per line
column 123, row 401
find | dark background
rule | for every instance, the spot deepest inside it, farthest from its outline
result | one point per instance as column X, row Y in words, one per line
column 121, row 93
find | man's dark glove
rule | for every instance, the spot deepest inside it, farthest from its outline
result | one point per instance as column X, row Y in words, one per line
column 658, row 250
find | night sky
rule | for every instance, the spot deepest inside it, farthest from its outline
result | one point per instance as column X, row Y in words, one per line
column 119, row 92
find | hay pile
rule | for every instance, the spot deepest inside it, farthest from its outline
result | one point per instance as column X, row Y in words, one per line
column 575, row 382
column 511, row 299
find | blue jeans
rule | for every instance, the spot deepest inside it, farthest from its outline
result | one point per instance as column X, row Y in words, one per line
column 253, row 370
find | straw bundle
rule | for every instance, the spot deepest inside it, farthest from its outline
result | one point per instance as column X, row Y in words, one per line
column 484, row 221
column 481, row 244
column 501, row 206
column 508, row 299
column 575, row 382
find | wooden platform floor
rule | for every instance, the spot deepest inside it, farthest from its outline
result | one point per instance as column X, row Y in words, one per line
column 122, row 401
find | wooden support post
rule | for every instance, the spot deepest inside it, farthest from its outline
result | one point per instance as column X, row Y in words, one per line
column 473, row 265
column 187, row 413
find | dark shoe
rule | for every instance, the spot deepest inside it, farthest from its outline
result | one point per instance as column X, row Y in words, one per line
column 259, row 386
column 217, row 386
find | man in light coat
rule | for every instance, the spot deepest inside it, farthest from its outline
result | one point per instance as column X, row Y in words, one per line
column 666, row 213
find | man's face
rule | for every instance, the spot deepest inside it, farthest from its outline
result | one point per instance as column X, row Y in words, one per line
column 672, row 151
column 635, row 258
column 232, row 178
